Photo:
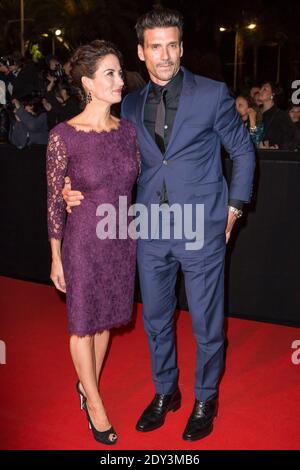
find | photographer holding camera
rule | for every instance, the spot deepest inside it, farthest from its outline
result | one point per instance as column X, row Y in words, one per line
column 28, row 123
column 23, row 78
column 60, row 101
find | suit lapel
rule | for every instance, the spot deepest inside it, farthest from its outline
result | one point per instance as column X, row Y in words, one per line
column 140, row 109
column 184, row 107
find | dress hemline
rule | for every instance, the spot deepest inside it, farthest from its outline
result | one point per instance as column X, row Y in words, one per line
column 99, row 329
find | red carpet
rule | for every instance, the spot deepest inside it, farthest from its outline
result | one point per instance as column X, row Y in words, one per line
column 39, row 409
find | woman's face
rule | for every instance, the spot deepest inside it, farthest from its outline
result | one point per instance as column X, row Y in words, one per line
column 265, row 93
column 107, row 84
column 242, row 106
column 294, row 113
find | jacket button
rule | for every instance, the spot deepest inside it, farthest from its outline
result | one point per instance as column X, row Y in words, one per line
column 165, row 162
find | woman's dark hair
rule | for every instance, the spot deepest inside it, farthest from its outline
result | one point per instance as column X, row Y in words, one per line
column 160, row 18
column 291, row 105
column 84, row 60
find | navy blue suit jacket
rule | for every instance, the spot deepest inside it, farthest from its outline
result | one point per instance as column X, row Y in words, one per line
column 191, row 166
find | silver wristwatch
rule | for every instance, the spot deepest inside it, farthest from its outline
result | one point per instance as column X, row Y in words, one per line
column 237, row 212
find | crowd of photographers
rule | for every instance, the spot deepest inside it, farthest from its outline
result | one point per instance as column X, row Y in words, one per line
column 34, row 99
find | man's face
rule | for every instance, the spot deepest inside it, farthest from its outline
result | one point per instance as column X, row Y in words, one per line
column 161, row 53
column 53, row 64
column 253, row 91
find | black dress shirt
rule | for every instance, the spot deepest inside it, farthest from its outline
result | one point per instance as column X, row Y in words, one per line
column 174, row 88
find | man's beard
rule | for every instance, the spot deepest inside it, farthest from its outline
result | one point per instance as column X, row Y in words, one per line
column 168, row 73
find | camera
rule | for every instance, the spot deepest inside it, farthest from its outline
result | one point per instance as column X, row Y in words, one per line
column 58, row 72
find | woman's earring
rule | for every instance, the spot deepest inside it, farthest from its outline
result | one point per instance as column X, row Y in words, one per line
column 88, row 97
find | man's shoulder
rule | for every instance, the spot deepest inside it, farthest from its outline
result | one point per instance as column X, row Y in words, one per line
column 129, row 103
column 133, row 96
column 207, row 83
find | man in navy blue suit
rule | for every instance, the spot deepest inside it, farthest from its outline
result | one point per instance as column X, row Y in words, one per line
column 181, row 121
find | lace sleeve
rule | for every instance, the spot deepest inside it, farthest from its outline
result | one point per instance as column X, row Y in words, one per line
column 56, row 167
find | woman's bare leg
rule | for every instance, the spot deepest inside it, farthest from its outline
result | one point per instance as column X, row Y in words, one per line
column 86, row 365
column 101, row 341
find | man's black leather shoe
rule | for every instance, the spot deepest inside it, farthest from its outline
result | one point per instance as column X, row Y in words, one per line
column 200, row 422
column 154, row 415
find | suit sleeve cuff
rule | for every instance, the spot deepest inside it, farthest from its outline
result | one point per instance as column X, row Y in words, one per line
column 236, row 203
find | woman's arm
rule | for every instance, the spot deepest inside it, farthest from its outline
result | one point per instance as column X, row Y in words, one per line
column 57, row 161
column 57, row 273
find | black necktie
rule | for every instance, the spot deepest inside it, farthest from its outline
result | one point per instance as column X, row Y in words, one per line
column 160, row 122
column 160, row 137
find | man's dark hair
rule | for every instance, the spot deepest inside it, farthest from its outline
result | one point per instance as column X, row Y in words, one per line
column 160, row 18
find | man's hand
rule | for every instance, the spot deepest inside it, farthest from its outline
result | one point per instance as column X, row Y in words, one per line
column 16, row 103
column 72, row 198
column 46, row 104
column 230, row 223
column 52, row 81
column 266, row 145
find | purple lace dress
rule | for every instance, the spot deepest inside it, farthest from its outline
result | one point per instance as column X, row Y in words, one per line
column 99, row 273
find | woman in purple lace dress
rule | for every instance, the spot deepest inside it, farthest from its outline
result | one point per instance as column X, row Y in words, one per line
column 99, row 153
